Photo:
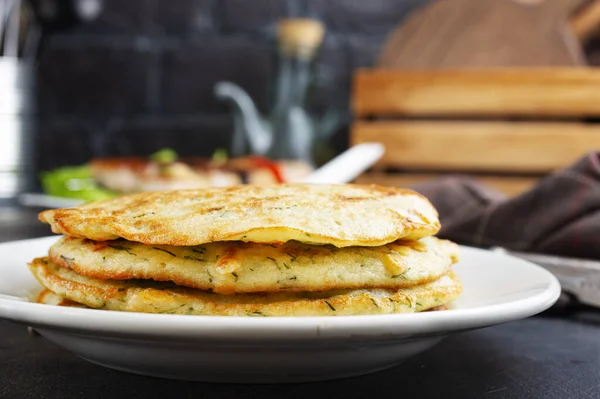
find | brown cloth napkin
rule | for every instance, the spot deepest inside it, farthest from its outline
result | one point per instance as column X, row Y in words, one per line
column 560, row 215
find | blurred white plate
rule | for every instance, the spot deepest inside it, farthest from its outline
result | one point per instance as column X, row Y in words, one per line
column 497, row 288
column 47, row 201
column 342, row 169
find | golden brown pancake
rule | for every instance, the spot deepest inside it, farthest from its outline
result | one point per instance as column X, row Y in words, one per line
column 166, row 298
column 339, row 215
column 234, row 267
column 48, row 297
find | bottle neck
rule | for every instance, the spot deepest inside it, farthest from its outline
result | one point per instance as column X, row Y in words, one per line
column 292, row 130
column 293, row 79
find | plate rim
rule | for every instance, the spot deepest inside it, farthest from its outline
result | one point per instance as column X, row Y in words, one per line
column 112, row 323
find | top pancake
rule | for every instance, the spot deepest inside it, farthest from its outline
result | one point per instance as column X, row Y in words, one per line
column 340, row 215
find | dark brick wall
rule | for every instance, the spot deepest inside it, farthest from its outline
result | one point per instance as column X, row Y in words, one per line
column 140, row 77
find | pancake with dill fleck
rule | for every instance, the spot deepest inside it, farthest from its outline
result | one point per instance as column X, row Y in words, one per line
column 235, row 267
column 48, row 297
column 156, row 297
column 340, row 215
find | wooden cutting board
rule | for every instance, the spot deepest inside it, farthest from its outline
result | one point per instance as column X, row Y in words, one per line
column 485, row 33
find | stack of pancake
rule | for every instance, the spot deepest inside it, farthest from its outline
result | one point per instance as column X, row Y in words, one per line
column 277, row 250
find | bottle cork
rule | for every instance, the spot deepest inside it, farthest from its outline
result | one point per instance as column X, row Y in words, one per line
column 300, row 36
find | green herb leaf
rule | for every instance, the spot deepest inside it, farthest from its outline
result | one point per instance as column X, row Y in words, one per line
column 122, row 248
column 143, row 214
column 220, row 155
column 164, row 250
column 257, row 313
column 69, row 261
column 189, row 257
column 166, row 155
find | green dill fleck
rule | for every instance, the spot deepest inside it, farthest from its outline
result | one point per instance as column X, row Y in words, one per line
column 285, row 265
column 251, row 269
column 308, row 235
column 68, row 260
column 142, row 215
column 217, row 257
column 276, row 263
column 293, row 278
column 272, row 245
column 122, row 248
column 402, row 276
column 409, row 302
column 257, row 313
column 374, row 303
column 419, row 305
column 362, row 265
column 279, row 208
column 164, row 250
column 189, row 257
column 190, row 310
column 103, row 258
column 292, row 257
column 118, row 247
column 199, row 250
column 173, row 310
column 235, row 275
column 330, row 306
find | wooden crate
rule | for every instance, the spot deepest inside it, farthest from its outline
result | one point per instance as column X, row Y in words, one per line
column 505, row 127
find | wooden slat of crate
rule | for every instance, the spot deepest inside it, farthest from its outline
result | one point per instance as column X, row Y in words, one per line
column 506, row 184
column 549, row 93
column 524, row 147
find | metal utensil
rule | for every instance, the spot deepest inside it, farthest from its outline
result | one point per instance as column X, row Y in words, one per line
column 578, row 277
column 11, row 35
column 348, row 165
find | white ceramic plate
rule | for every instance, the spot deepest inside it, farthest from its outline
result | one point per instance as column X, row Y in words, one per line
column 497, row 288
column 36, row 200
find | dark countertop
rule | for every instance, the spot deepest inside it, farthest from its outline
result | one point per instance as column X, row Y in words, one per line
column 554, row 355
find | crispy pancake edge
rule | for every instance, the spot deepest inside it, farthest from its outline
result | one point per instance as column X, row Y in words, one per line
column 340, row 215
column 230, row 268
column 127, row 296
